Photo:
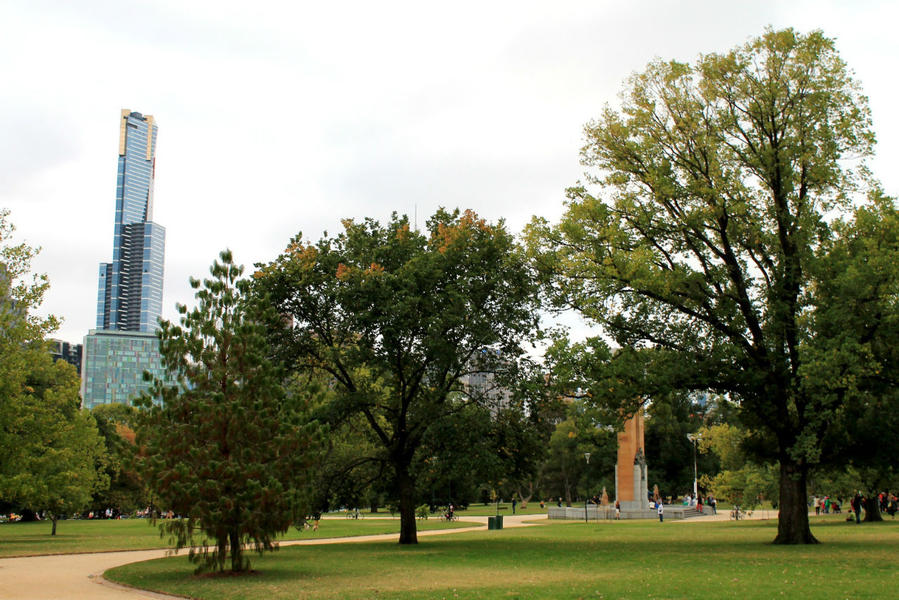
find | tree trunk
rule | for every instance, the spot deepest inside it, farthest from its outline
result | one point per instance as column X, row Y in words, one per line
column 236, row 551
column 526, row 499
column 406, row 488
column 872, row 509
column 792, row 521
column 54, row 519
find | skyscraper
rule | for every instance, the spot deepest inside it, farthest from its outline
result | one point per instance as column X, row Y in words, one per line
column 129, row 299
column 130, row 290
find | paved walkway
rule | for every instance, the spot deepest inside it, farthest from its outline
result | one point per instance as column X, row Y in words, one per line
column 79, row 576
column 724, row 515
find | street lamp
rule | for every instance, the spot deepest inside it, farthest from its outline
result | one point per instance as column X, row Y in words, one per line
column 587, row 489
column 693, row 437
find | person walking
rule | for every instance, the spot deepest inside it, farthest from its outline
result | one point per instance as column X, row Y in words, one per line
column 856, row 504
column 617, row 510
column 316, row 517
column 661, row 510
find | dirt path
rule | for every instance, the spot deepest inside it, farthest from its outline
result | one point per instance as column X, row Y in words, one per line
column 79, row 576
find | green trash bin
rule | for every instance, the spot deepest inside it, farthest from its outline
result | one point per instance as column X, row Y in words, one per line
column 495, row 522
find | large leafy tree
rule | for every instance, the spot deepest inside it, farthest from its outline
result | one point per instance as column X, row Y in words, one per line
column 49, row 448
column 59, row 452
column 854, row 361
column 227, row 449
column 22, row 332
column 395, row 317
column 717, row 179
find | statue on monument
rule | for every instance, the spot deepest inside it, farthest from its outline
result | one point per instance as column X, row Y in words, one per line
column 631, row 471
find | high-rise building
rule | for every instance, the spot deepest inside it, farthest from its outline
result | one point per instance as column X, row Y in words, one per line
column 114, row 365
column 71, row 353
column 130, row 290
column 129, row 298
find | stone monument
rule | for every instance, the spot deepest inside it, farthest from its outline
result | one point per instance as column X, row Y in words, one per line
column 631, row 486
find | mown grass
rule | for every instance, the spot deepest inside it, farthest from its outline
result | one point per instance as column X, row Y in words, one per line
column 564, row 560
column 29, row 539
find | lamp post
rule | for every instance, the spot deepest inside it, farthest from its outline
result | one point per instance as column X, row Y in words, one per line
column 587, row 490
column 693, row 437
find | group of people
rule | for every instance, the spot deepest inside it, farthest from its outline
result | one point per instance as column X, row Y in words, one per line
column 698, row 503
column 887, row 503
column 826, row 505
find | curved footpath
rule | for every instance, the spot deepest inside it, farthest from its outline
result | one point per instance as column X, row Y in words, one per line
column 80, row 576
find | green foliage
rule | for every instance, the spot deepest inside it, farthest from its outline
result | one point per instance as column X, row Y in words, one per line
column 727, row 442
column 474, row 447
column 228, row 449
column 669, row 453
column 853, row 362
column 565, row 461
column 20, row 293
column 394, row 318
column 127, row 491
column 740, row 481
column 565, row 472
column 349, row 472
column 21, row 334
column 699, row 257
column 58, row 447
column 49, row 448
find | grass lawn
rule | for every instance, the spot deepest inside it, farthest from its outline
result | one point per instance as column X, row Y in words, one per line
column 27, row 539
column 564, row 560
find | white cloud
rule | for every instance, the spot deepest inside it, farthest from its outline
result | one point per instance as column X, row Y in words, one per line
column 277, row 117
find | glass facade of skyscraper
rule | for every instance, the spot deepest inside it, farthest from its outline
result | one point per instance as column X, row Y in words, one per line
column 116, row 364
column 129, row 296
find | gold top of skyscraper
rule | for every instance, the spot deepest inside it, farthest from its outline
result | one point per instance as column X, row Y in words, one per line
column 123, row 130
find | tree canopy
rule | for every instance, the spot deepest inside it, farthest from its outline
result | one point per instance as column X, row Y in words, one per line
column 49, row 448
column 698, row 252
column 852, row 365
column 395, row 318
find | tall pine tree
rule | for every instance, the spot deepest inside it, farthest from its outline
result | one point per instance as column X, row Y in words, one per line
column 228, row 448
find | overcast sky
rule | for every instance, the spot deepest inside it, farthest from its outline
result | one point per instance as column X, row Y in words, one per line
column 279, row 117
